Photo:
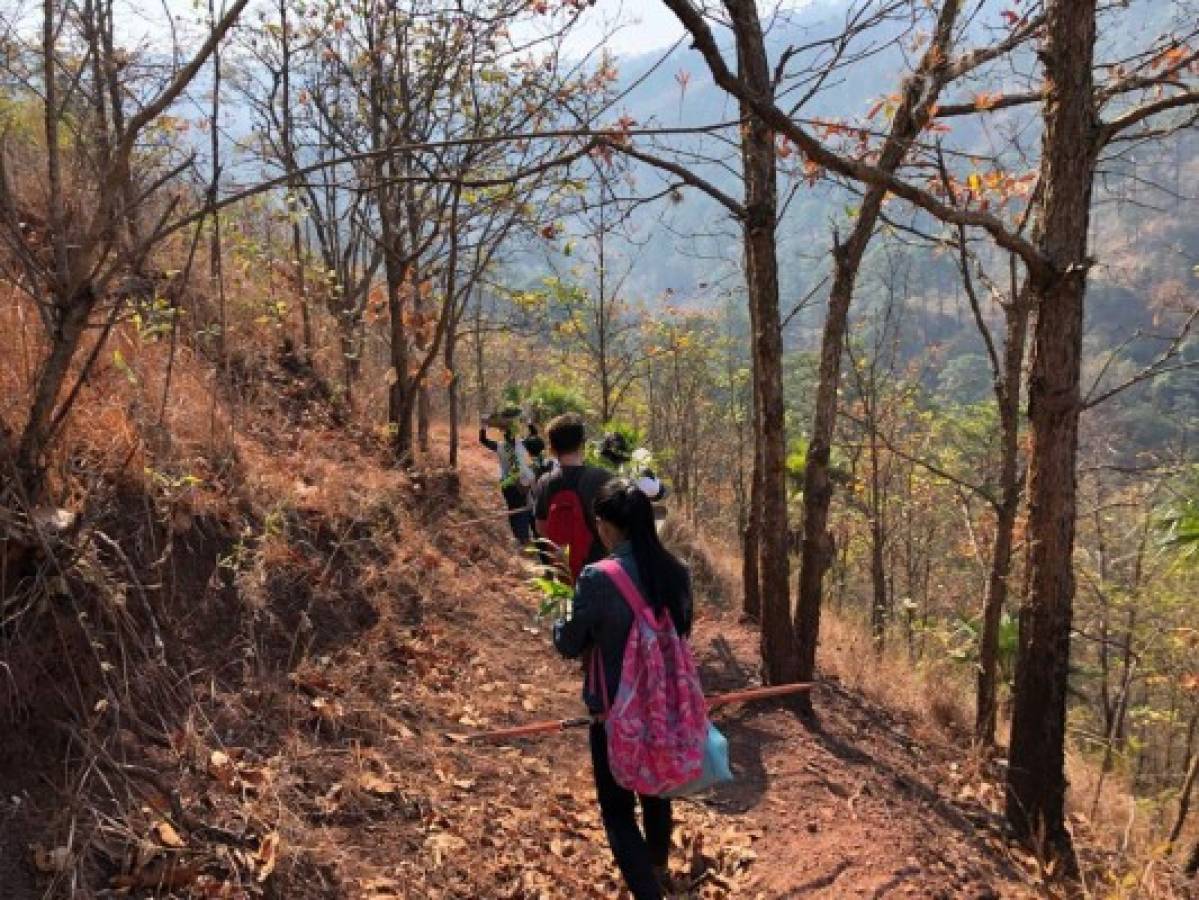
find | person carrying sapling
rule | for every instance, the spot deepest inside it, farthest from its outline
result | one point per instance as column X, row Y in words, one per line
column 516, row 476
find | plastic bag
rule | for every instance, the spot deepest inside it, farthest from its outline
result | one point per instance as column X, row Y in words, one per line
column 716, row 766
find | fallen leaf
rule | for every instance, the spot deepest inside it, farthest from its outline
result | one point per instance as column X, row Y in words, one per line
column 329, row 710
column 162, row 874
column 50, row 862
column 220, row 767
column 255, row 777
column 167, row 835
column 215, row 889
column 377, row 785
column 267, row 856
column 380, row 887
column 441, row 844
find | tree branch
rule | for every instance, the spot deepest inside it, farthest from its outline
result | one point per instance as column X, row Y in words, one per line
column 687, row 176
column 1159, row 366
column 705, row 43
column 1123, row 122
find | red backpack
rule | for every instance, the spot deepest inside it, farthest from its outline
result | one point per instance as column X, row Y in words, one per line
column 566, row 524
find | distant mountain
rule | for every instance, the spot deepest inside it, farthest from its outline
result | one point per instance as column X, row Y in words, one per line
column 1146, row 233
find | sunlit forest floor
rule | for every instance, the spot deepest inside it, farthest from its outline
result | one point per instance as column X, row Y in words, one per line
column 343, row 639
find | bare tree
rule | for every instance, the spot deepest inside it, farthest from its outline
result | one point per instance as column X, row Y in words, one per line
column 70, row 246
column 1057, row 262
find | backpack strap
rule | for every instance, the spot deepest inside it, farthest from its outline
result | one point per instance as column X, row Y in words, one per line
column 632, row 596
column 616, row 573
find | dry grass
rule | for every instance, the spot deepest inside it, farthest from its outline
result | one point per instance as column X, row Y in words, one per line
column 936, row 693
column 1121, row 844
column 715, row 568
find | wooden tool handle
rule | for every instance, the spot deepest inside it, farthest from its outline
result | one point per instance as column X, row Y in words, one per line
column 762, row 693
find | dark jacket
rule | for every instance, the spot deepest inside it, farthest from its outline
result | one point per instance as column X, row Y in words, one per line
column 600, row 618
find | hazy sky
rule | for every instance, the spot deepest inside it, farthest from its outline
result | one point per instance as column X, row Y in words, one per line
column 643, row 25
column 637, row 26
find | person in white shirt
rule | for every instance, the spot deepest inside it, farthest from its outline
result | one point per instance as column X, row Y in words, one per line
column 516, row 477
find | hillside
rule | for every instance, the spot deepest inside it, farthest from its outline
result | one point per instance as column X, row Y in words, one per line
column 332, row 628
column 687, row 249
column 258, row 597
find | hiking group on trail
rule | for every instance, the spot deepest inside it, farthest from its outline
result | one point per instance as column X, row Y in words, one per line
column 523, row 467
column 629, row 617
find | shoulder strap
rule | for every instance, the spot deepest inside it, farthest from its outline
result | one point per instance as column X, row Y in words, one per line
column 615, row 571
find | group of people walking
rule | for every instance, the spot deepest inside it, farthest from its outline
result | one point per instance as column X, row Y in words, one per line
column 625, row 581
column 523, row 464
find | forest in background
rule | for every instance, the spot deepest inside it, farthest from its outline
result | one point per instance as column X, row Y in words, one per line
column 432, row 214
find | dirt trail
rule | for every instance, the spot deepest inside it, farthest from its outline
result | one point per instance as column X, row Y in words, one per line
column 393, row 627
column 853, row 806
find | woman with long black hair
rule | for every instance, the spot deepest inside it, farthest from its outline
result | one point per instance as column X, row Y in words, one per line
column 600, row 621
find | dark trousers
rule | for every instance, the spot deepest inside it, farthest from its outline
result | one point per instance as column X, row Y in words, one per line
column 520, row 522
column 635, row 854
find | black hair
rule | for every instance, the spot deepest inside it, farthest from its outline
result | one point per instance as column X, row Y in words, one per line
column 567, row 433
column 615, row 449
column 620, row 503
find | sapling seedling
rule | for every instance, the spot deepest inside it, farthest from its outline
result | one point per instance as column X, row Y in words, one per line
column 552, row 579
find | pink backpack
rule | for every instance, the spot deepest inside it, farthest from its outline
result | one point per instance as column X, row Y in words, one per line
column 658, row 724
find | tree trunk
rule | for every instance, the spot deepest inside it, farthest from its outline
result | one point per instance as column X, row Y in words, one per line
column 987, row 691
column 779, row 659
column 216, row 260
column 751, row 584
column 302, row 287
column 1188, row 785
column 424, row 399
column 451, row 344
column 1036, row 789
column 424, row 414
column 878, row 533
column 480, row 368
column 293, row 187
column 917, row 98
column 878, row 581
column 50, row 378
column 350, row 352
column 1008, row 396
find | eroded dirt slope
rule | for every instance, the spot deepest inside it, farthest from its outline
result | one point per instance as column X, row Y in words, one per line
column 334, row 666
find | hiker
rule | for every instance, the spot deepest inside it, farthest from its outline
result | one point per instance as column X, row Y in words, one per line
column 563, row 497
column 535, row 448
column 599, row 626
column 516, row 476
column 651, row 485
column 614, row 452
